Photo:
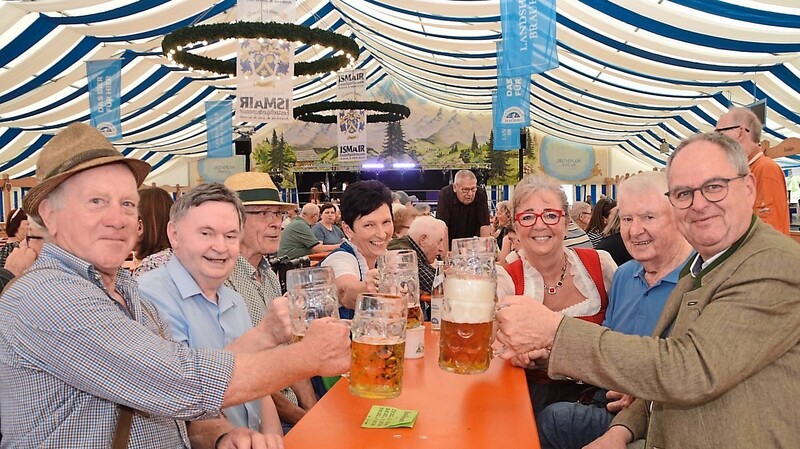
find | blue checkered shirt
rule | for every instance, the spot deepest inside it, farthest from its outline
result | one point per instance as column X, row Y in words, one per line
column 69, row 353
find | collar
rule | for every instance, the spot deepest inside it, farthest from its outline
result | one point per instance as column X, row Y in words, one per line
column 671, row 277
column 188, row 287
column 80, row 267
column 716, row 260
column 416, row 247
column 754, row 158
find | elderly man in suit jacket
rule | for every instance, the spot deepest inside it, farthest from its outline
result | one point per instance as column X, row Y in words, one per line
column 722, row 367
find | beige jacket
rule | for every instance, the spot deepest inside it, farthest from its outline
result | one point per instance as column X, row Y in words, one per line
column 729, row 374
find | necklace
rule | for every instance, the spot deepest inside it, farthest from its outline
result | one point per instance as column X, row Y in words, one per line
column 552, row 290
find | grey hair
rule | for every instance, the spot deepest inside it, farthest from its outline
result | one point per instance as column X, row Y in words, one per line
column 579, row 208
column 733, row 150
column 506, row 207
column 464, row 175
column 423, row 208
column 535, row 182
column 425, row 225
column 203, row 193
column 655, row 181
column 749, row 120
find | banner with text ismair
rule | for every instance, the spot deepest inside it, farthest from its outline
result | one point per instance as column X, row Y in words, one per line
column 265, row 67
column 104, row 93
column 352, row 130
column 351, row 86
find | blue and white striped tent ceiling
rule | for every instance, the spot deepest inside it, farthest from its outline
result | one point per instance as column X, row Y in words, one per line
column 632, row 71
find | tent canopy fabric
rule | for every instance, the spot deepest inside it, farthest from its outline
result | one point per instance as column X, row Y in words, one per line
column 633, row 72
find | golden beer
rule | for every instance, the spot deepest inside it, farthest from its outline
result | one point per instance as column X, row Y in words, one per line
column 465, row 348
column 465, row 340
column 415, row 318
column 297, row 338
column 376, row 368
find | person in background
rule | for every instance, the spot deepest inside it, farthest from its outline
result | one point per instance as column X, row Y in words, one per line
column 570, row 281
column 81, row 350
column 503, row 222
column 367, row 223
column 639, row 291
column 297, row 240
column 326, row 230
column 290, row 215
column 28, row 250
column 464, row 208
column 581, row 214
column 153, row 248
column 407, row 200
column 204, row 231
column 253, row 278
column 772, row 201
column 599, row 219
column 16, row 230
column 423, row 208
column 729, row 331
column 612, row 241
column 402, row 217
column 509, row 252
column 426, row 238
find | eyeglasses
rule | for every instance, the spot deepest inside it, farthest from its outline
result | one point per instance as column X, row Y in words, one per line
column 29, row 237
column 268, row 214
column 728, row 128
column 466, row 190
column 548, row 216
column 714, row 190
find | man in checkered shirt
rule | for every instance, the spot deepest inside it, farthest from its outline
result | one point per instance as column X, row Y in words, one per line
column 77, row 342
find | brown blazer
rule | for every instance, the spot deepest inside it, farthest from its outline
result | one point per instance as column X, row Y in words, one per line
column 729, row 374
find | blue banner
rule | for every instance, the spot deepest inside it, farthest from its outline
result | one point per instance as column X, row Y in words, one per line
column 513, row 96
column 219, row 128
column 529, row 36
column 104, row 92
column 505, row 138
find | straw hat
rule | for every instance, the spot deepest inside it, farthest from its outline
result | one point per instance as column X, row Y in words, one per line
column 256, row 189
column 76, row 148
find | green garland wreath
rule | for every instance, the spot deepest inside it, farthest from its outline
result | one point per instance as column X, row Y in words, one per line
column 391, row 112
column 255, row 30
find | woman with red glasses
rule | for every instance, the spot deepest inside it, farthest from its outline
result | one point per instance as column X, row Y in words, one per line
column 572, row 281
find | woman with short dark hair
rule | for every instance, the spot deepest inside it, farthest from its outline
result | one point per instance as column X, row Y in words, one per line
column 366, row 208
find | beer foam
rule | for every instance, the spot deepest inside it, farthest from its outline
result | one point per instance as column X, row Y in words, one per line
column 469, row 300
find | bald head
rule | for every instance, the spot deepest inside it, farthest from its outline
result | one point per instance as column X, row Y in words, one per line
column 310, row 213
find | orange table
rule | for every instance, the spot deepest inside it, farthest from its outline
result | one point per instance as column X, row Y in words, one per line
column 489, row 410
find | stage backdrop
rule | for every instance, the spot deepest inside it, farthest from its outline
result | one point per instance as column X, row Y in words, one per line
column 433, row 136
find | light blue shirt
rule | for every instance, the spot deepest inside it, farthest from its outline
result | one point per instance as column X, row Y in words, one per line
column 200, row 323
column 633, row 306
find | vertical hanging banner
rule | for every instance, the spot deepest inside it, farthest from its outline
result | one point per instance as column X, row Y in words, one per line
column 529, row 36
column 265, row 67
column 351, row 86
column 104, row 85
column 352, row 130
column 352, row 123
column 513, row 95
column 505, row 137
column 219, row 128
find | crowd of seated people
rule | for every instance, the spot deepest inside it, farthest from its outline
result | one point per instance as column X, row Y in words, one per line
column 203, row 261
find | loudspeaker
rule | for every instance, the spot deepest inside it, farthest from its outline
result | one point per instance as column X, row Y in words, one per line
column 243, row 146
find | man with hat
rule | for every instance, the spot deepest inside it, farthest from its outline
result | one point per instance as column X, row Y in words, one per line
column 253, row 278
column 81, row 352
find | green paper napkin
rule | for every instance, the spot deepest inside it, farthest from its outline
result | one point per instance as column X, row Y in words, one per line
column 380, row 417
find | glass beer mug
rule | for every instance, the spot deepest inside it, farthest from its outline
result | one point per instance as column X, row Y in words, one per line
column 398, row 273
column 312, row 295
column 379, row 343
column 470, row 291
